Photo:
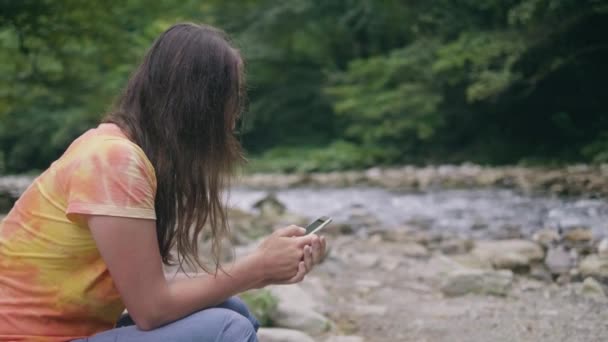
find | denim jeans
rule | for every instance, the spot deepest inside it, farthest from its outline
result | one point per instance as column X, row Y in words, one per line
column 230, row 321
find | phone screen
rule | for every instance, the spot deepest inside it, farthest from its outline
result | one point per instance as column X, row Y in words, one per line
column 321, row 221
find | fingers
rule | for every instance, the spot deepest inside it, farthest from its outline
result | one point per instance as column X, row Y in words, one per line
column 302, row 241
column 308, row 258
column 290, row 231
column 317, row 251
column 299, row 276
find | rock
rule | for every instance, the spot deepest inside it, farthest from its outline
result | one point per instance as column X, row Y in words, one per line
column 558, row 260
column 282, row 335
column 408, row 234
column 579, row 239
column 345, row 339
column 539, row 271
column 578, row 235
column 367, row 310
column 472, row 261
column 456, row 246
column 463, row 281
column 270, row 206
column 509, row 254
column 592, row 288
column 602, row 248
column 414, row 250
column 546, row 237
column 366, row 260
column 594, row 266
column 296, row 310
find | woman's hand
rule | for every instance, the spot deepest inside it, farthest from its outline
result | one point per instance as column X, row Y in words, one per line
column 287, row 255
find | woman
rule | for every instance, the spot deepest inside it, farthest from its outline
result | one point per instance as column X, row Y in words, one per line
column 89, row 236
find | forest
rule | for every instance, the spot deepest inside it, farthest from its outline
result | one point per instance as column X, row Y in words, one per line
column 332, row 85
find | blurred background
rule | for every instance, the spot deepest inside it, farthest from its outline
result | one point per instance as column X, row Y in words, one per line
column 333, row 85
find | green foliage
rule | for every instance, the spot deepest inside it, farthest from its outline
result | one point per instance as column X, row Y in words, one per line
column 339, row 155
column 332, row 84
column 262, row 304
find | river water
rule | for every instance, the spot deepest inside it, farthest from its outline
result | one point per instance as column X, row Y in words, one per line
column 485, row 213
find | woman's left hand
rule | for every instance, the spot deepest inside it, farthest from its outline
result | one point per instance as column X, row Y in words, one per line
column 313, row 254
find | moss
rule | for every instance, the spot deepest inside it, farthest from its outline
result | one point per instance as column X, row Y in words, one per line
column 262, row 304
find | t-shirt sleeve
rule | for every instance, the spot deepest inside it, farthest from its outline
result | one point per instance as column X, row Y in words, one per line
column 111, row 178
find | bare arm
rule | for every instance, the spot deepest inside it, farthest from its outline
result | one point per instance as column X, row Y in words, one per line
column 130, row 249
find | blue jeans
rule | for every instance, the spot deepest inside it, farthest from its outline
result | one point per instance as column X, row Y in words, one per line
column 230, row 321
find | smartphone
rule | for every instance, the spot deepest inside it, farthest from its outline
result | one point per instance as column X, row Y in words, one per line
column 318, row 224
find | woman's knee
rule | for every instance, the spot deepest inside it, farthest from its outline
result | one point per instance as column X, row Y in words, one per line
column 225, row 325
column 237, row 305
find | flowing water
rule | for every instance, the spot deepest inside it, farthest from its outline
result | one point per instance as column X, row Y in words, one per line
column 475, row 213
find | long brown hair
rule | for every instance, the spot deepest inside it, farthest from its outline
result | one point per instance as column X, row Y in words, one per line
column 180, row 107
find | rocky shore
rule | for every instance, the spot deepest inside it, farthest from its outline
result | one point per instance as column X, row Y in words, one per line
column 576, row 180
column 409, row 284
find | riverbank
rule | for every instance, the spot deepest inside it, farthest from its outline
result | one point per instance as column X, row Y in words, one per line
column 577, row 180
column 410, row 283
column 589, row 181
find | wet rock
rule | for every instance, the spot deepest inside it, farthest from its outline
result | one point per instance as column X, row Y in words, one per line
column 270, row 206
column 578, row 235
column 594, row 266
column 511, row 254
column 282, row 335
column 592, row 288
column 580, row 239
column 361, row 218
column 558, row 260
column 464, row 281
column 456, row 246
column 296, row 310
column 539, row 271
column 546, row 237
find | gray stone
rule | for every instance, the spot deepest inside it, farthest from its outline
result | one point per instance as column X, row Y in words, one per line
column 592, row 288
column 456, row 246
column 463, row 281
column 558, row 260
column 509, row 254
column 602, row 248
column 282, row 335
column 366, row 260
column 539, row 271
column 297, row 310
column 367, row 310
column 351, row 338
column 594, row 266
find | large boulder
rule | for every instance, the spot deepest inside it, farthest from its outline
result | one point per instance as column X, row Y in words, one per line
column 512, row 254
column 464, row 281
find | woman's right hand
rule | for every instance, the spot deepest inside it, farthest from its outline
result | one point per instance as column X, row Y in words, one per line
column 281, row 256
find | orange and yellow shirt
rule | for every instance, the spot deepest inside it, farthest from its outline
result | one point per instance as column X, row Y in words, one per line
column 54, row 285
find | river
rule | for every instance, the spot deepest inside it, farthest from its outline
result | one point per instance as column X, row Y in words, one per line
column 483, row 213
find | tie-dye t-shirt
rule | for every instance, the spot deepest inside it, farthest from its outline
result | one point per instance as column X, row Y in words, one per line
column 54, row 285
